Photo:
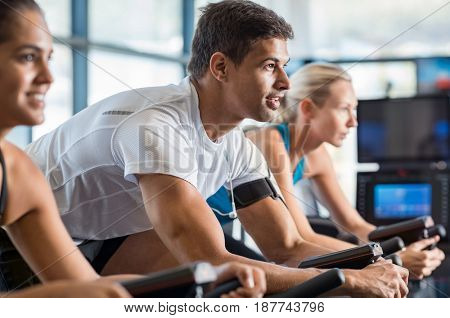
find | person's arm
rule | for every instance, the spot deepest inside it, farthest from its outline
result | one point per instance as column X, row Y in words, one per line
column 191, row 232
column 331, row 195
column 271, row 145
column 34, row 225
column 419, row 262
column 72, row 289
column 252, row 279
column 270, row 224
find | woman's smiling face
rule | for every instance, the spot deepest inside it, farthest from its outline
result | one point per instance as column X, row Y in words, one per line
column 24, row 71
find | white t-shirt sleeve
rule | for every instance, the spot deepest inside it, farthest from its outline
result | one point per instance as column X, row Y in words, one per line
column 248, row 162
column 152, row 141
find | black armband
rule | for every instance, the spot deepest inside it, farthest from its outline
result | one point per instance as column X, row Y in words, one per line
column 248, row 193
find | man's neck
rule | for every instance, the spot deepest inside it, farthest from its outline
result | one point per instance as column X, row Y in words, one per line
column 214, row 109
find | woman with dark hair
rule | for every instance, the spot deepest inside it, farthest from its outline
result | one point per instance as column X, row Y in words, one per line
column 26, row 200
column 28, row 212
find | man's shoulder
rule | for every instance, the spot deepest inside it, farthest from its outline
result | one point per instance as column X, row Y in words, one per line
column 145, row 97
column 171, row 106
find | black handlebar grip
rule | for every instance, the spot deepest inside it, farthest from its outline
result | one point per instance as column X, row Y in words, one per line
column 314, row 287
column 223, row 288
column 437, row 230
column 392, row 245
column 396, row 260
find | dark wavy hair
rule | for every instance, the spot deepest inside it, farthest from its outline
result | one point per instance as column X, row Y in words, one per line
column 231, row 27
column 9, row 12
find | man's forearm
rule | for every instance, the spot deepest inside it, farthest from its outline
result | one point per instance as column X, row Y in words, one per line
column 357, row 226
column 351, row 287
column 279, row 278
column 294, row 254
column 329, row 242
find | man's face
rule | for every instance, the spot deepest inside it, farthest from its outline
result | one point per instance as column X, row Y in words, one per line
column 256, row 86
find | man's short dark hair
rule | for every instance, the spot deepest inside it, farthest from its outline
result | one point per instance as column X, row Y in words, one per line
column 231, row 27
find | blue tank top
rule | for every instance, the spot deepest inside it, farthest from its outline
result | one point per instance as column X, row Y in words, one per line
column 283, row 129
column 221, row 201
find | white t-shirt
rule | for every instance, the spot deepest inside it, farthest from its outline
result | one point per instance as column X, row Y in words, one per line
column 91, row 161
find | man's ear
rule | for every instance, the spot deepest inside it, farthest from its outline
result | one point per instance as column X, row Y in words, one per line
column 218, row 66
column 307, row 109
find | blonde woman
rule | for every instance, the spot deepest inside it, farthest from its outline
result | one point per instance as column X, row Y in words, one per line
column 320, row 108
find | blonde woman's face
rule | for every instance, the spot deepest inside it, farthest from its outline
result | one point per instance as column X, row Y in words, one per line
column 333, row 119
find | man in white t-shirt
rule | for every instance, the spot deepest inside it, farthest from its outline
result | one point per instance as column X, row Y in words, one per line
column 148, row 158
column 94, row 160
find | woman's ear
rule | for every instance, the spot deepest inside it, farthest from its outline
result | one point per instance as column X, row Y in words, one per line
column 307, row 109
column 218, row 66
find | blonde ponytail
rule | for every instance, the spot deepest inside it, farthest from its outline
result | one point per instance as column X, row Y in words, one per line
column 312, row 81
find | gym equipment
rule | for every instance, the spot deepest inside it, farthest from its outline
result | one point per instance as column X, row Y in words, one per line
column 183, row 281
column 396, row 260
column 314, row 287
column 354, row 258
column 197, row 280
column 409, row 231
column 392, row 245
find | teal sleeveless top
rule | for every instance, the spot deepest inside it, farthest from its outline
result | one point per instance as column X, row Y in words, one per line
column 221, row 201
column 283, row 129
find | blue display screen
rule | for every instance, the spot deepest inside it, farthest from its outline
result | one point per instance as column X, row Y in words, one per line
column 398, row 201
